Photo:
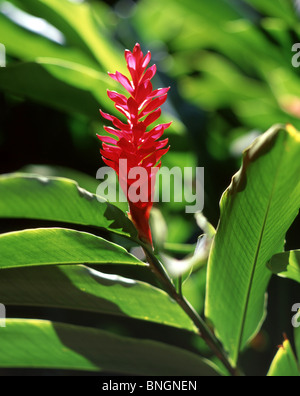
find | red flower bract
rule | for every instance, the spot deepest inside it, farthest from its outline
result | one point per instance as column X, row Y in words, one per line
column 132, row 141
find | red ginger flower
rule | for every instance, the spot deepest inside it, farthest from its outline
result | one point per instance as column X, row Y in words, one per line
column 136, row 145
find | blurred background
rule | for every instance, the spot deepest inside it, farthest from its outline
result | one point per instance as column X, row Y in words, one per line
column 229, row 65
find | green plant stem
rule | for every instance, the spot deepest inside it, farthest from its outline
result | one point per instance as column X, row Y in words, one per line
column 202, row 327
column 179, row 286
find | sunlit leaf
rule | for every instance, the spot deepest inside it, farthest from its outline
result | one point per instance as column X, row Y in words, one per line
column 26, row 196
column 285, row 363
column 51, row 246
column 255, row 216
column 25, row 45
column 286, row 265
column 76, row 21
column 85, row 289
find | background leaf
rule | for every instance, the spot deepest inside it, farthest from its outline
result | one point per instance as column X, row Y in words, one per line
column 64, row 85
column 24, row 44
column 79, row 26
column 286, row 265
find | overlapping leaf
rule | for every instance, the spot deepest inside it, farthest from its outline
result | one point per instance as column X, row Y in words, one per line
column 43, row 344
column 62, row 200
column 51, row 246
column 286, row 265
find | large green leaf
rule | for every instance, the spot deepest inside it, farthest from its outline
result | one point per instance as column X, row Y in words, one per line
column 82, row 288
column 57, row 199
column 255, row 216
column 285, row 363
column 286, row 265
column 50, row 246
column 42, row 344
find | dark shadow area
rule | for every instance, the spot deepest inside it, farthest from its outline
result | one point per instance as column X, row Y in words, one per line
column 282, row 295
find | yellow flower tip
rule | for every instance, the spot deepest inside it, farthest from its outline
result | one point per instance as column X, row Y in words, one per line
column 293, row 132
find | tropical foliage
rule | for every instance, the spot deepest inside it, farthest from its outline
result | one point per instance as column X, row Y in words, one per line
column 82, row 291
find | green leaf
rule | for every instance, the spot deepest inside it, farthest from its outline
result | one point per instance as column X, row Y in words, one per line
column 82, row 288
column 86, row 181
column 285, row 363
column 62, row 84
column 58, row 199
column 286, row 265
column 51, row 246
column 255, row 216
column 77, row 23
column 43, row 344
